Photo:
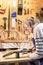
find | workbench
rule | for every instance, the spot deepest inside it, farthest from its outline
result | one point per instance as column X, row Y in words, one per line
column 14, row 60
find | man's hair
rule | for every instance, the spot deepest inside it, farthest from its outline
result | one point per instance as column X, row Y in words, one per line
column 31, row 22
column 32, row 18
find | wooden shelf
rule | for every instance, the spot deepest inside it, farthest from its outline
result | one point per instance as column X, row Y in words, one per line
column 14, row 41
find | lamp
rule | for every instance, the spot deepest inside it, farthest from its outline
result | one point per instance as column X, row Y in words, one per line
column 14, row 3
column 0, row 2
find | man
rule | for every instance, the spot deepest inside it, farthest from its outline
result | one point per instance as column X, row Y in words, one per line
column 37, row 29
column 38, row 36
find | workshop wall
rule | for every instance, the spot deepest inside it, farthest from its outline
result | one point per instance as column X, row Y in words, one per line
column 34, row 6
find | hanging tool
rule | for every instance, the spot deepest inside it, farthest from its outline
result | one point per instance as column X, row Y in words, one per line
column 9, row 22
column 4, row 18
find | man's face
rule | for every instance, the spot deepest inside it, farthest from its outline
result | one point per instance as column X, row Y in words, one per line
column 33, row 26
column 29, row 29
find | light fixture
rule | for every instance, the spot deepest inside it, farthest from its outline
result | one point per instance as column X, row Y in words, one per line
column 14, row 3
column 1, row 4
column 0, row 1
column 8, row 3
column 28, row 5
column 25, row 4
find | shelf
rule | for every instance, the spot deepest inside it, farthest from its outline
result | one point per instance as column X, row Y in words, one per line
column 14, row 41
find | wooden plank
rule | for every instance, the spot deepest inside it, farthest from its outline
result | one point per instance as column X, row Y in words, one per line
column 14, row 60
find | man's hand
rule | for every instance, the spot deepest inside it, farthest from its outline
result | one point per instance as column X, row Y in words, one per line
column 33, row 48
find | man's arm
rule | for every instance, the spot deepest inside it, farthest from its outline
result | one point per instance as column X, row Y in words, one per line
column 38, row 44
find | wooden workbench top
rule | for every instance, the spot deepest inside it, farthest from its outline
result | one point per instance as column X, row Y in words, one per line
column 12, row 59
